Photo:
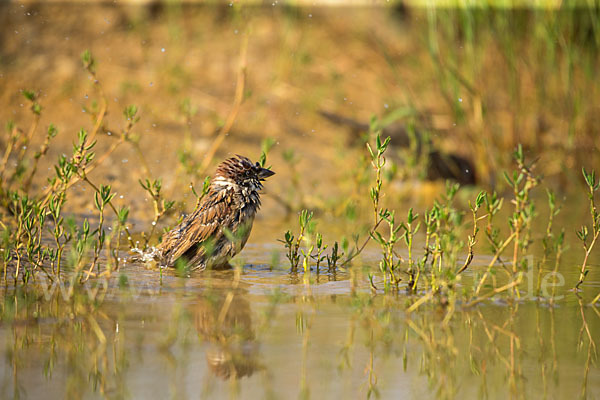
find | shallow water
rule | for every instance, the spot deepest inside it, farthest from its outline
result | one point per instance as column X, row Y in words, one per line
column 272, row 334
column 269, row 333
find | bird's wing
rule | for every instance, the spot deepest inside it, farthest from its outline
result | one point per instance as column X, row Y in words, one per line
column 198, row 227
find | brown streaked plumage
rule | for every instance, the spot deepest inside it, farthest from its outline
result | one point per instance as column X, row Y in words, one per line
column 220, row 226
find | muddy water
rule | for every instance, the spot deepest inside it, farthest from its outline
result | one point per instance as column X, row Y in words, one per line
column 267, row 333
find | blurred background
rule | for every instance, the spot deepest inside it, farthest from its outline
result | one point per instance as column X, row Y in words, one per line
column 457, row 86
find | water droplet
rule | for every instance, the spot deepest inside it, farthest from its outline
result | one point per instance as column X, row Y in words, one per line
column 124, row 160
column 235, row 31
column 153, row 223
column 309, row 15
column 386, row 105
column 121, row 196
column 86, row 96
column 460, row 99
column 162, row 50
column 230, row 4
column 109, row 133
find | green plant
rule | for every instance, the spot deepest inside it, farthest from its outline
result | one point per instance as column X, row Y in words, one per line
column 378, row 162
column 549, row 242
column 410, row 229
column 583, row 234
column 472, row 240
column 318, row 257
column 333, row 257
column 522, row 182
column 375, row 192
column 35, row 214
column 101, row 198
column 293, row 245
column 390, row 263
column 161, row 206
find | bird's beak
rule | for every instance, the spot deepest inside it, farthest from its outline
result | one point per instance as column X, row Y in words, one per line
column 265, row 173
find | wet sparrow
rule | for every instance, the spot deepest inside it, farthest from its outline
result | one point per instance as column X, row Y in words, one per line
column 220, row 226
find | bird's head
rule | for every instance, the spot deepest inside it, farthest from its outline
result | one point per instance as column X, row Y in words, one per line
column 240, row 171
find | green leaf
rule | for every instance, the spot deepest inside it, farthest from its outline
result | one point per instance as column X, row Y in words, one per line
column 29, row 94
column 510, row 182
column 52, row 131
column 319, row 240
column 518, row 154
column 123, row 214
column 480, row 198
column 130, row 112
column 10, row 125
column 87, row 60
column 82, row 136
column 370, row 151
column 36, row 108
column 266, row 146
column 97, row 201
column 385, row 144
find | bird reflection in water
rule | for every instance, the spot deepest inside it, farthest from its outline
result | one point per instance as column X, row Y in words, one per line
column 223, row 320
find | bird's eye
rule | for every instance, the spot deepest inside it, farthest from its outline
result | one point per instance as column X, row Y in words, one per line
column 257, row 165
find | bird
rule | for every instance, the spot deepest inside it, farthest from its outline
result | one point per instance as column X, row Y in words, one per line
column 220, row 225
